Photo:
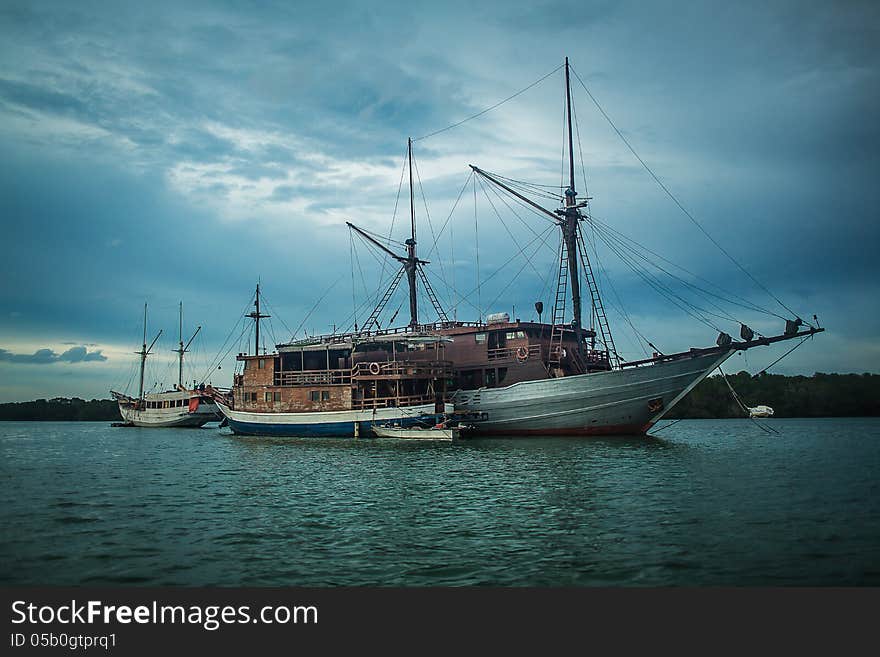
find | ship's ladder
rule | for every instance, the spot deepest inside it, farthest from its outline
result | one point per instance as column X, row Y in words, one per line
column 433, row 297
column 377, row 311
column 556, row 333
column 598, row 306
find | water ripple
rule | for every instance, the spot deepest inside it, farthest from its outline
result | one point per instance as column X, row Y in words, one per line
column 710, row 503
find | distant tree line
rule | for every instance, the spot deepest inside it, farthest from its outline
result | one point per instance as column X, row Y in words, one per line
column 60, row 409
column 820, row 395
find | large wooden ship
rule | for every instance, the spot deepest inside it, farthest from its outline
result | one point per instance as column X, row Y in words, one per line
column 510, row 377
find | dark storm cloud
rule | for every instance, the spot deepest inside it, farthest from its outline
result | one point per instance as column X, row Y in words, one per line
column 163, row 152
column 78, row 354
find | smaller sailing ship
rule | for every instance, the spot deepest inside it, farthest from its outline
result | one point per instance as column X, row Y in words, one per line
column 180, row 407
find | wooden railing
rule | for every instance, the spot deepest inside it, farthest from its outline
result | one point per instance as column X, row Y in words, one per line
column 312, row 377
column 412, row 369
column 391, row 402
column 520, row 353
column 404, row 369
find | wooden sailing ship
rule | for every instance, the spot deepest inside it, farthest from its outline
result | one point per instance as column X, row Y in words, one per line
column 338, row 386
column 180, row 407
column 511, row 377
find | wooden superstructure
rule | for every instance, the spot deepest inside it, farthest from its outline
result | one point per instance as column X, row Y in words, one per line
column 346, row 372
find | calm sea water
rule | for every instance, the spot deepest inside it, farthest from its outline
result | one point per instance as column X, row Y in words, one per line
column 703, row 503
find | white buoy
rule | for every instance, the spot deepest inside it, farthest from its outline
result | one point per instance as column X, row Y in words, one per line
column 760, row 411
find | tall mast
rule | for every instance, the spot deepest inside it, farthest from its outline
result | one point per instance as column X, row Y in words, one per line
column 257, row 316
column 181, row 350
column 411, row 262
column 180, row 347
column 571, row 217
column 144, row 352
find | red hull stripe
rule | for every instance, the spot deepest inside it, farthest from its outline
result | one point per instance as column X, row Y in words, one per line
column 607, row 430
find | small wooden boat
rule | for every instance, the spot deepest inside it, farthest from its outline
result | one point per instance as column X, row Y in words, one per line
column 417, row 433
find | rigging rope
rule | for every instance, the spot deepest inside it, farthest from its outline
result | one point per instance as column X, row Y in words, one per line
column 503, row 223
column 764, row 371
column 217, row 361
column 677, row 202
column 742, row 301
column 742, row 405
column 430, row 225
column 515, row 276
column 489, row 109
column 394, row 214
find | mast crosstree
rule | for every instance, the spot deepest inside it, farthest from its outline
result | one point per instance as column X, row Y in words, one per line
column 144, row 352
column 412, row 266
column 256, row 315
column 572, row 254
column 181, row 349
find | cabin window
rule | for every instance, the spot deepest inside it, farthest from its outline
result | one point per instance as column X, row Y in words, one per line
column 520, row 334
column 315, row 395
column 268, row 396
column 511, row 335
column 325, row 395
column 261, row 364
column 480, row 337
column 277, row 396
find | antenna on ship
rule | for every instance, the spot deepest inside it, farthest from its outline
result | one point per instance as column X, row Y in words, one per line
column 256, row 316
column 181, row 349
column 144, row 352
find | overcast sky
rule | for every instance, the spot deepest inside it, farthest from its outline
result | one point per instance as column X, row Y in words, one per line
column 161, row 153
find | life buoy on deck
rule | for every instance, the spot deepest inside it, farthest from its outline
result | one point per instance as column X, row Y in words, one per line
column 374, row 368
column 522, row 354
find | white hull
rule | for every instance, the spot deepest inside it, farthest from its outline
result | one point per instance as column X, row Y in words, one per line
column 416, row 434
column 343, row 424
column 627, row 401
column 174, row 411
